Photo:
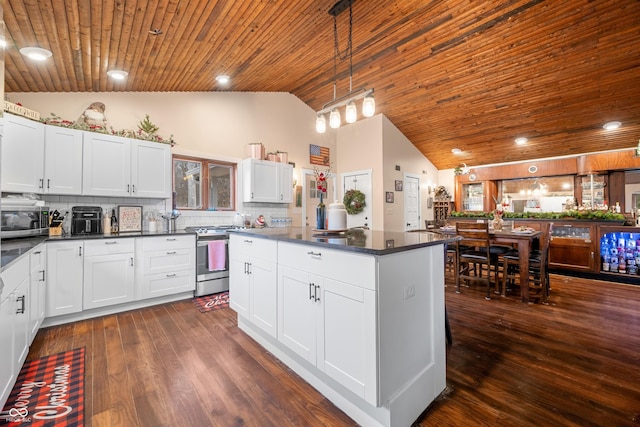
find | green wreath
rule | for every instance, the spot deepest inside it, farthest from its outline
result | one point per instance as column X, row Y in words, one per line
column 354, row 202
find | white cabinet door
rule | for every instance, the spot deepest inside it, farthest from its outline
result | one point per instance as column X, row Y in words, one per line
column 263, row 305
column 108, row 280
column 253, row 280
column 151, row 170
column 21, row 308
column 347, row 337
column 22, row 155
column 64, row 277
column 297, row 311
column 260, row 181
column 286, row 182
column 62, row 160
column 37, row 289
column 238, row 284
column 106, row 165
column 8, row 369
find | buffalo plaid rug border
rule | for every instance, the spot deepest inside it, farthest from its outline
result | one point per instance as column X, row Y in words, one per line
column 48, row 392
column 212, row 302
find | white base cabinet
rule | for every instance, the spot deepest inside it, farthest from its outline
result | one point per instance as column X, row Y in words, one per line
column 253, row 280
column 37, row 288
column 108, row 272
column 64, row 277
column 365, row 330
column 166, row 265
column 14, row 323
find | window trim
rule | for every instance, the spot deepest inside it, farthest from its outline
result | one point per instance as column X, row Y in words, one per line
column 205, row 179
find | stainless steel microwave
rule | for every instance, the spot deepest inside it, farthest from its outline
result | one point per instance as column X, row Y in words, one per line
column 23, row 221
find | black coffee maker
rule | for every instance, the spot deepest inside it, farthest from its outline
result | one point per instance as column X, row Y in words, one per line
column 86, row 220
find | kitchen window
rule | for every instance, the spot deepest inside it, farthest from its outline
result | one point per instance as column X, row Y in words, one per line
column 204, row 184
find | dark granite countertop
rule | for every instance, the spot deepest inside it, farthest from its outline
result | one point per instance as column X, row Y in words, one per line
column 364, row 241
column 11, row 249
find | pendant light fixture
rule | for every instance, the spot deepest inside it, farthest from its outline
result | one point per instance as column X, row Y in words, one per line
column 348, row 100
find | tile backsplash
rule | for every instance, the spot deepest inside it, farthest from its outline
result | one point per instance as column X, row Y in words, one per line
column 163, row 206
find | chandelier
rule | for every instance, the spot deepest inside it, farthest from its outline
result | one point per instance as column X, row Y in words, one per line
column 349, row 100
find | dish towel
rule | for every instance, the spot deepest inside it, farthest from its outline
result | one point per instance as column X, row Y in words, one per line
column 217, row 255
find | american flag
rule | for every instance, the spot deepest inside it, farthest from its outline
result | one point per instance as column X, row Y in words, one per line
column 319, row 155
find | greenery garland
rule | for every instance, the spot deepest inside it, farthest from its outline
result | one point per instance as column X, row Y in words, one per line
column 354, row 202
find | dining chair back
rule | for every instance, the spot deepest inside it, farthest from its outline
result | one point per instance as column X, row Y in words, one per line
column 475, row 237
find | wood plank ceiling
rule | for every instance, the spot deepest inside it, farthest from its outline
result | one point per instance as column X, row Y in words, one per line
column 468, row 74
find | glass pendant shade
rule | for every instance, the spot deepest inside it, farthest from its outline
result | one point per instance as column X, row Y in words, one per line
column 334, row 119
column 321, row 124
column 368, row 106
column 351, row 114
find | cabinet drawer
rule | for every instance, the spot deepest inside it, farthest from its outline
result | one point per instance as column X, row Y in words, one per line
column 242, row 245
column 168, row 242
column 168, row 260
column 108, row 246
column 157, row 285
column 355, row 269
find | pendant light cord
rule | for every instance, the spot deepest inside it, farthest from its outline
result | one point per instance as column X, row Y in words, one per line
column 348, row 53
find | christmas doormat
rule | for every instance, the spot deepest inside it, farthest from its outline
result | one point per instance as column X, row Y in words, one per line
column 212, row 302
column 49, row 392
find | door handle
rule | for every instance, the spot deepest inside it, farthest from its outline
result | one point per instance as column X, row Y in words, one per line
column 131, row 261
column 311, row 286
column 315, row 292
column 42, row 280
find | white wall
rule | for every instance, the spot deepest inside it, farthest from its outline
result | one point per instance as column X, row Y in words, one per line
column 375, row 143
column 206, row 124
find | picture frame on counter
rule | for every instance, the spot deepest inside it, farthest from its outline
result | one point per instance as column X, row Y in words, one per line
column 129, row 218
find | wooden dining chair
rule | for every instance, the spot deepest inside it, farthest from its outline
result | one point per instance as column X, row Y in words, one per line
column 538, row 267
column 475, row 235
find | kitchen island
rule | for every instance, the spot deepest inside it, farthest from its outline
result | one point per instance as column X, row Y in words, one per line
column 359, row 315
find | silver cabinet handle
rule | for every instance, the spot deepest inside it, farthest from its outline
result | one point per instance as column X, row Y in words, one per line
column 171, row 252
column 171, row 239
column 41, row 183
column 43, row 276
column 79, row 250
column 315, row 292
column 111, row 243
column 48, row 183
column 133, row 188
column 314, row 253
column 248, row 241
column 131, row 261
column 171, row 275
column 311, row 286
column 128, row 188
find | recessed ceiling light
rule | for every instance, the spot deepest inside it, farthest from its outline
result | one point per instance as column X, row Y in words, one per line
column 3, row 43
column 36, row 53
column 612, row 125
column 117, row 74
column 521, row 140
column 223, row 79
column 456, row 150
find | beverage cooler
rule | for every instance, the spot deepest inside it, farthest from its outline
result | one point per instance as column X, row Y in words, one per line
column 620, row 252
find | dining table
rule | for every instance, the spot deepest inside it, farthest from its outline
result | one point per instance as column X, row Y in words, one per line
column 523, row 241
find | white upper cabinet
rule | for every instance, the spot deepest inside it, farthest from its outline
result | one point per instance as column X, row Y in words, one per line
column 62, row 160
column 22, row 155
column 150, row 169
column 265, row 181
column 122, row 167
column 106, row 165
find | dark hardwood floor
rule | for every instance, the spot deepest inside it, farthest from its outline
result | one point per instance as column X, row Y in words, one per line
column 575, row 362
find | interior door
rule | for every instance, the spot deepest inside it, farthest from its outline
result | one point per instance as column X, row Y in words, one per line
column 411, row 202
column 359, row 180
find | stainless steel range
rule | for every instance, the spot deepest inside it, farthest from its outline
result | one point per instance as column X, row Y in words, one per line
column 212, row 270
